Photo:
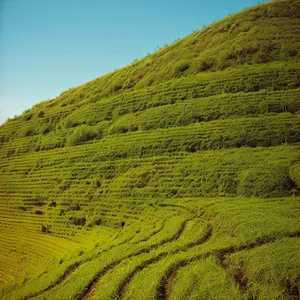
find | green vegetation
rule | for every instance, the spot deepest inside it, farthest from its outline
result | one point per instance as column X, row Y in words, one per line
column 80, row 135
column 177, row 177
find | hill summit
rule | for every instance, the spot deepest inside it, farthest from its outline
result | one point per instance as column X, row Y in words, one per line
column 175, row 177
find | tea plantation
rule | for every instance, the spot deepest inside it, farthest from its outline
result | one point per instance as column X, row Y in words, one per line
column 176, row 177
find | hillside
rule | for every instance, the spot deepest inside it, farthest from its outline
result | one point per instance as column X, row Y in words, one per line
column 176, row 177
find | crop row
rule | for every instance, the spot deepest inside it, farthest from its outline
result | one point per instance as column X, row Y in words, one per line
column 272, row 77
column 138, row 240
column 37, row 245
column 121, row 271
column 213, row 172
column 229, row 133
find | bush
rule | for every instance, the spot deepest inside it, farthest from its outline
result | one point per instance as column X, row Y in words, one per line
column 28, row 130
column 116, row 86
column 268, row 182
column 78, row 221
column 204, row 65
column 68, row 123
column 223, row 60
column 41, row 114
column 119, row 129
column 27, row 116
column 294, row 173
column 81, row 134
column 180, row 67
column 45, row 128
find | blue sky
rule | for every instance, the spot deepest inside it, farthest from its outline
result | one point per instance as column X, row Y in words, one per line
column 48, row 46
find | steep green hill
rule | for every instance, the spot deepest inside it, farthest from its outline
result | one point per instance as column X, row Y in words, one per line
column 177, row 177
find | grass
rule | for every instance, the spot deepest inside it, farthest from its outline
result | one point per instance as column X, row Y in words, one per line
column 258, row 267
column 206, row 278
column 261, row 222
column 176, row 177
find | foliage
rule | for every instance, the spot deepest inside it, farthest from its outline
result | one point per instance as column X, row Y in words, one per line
column 174, row 177
column 295, row 174
column 28, row 131
column 180, row 67
column 80, row 135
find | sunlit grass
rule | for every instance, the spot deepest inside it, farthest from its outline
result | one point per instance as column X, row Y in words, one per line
column 176, row 177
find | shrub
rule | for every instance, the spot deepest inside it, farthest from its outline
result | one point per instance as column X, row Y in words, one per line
column 78, row 221
column 41, row 114
column 45, row 128
column 288, row 51
column 68, row 123
column 223, row 60
column 81, row 134
column 116, row 86
column 133, row 127
column 294, row 173
column 204, row 65
column 180, row 67
column 28, row 130
column 270, row 182
column 188, row 118
column 119, row 129
column 27, row 116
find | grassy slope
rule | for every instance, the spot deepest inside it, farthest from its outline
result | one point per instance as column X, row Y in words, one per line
column 178, row 173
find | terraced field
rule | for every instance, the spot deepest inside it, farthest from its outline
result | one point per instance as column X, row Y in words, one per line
column 177, row 177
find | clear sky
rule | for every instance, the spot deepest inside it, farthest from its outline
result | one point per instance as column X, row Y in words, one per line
column 48, row 46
